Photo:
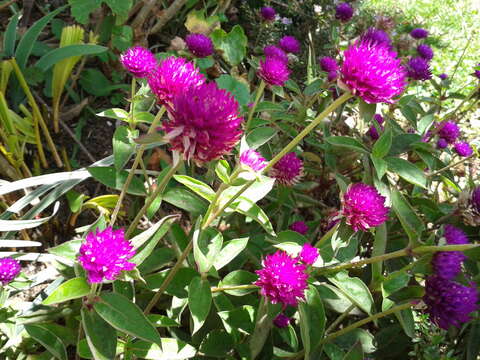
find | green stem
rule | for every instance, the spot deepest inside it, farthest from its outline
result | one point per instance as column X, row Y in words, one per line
column 340, row 319
column 327, row 235
column 132, row 103
column 260, row 90
column 238, row 287
column 451, row 165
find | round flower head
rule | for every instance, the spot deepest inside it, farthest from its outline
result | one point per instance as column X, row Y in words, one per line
column 281, row 321
column 418, row 69
column 173, row 76
column 268, row 13
column 9, row 269
column 273, row 51
column 449, row 131
column 309, row 254
column 448, row 264
column 199, row 45
column 253, row 160
column 372, row 131
column 289, row 44
column 377, row 36
column 476, row 73
column 300, row 227
column 425, row 52
column 463, row 149
column 343, row 12
column 332, row 75
column 328, row 64
column 448, row 302
column 288, row 170
column 104, row 254
column 442, row 143
column 273, row 71
column 138, row 61
column 282, row 279
column 419, row 33
column 204, row 123
column 373, row 72
column 363, row 207
column 443, row 76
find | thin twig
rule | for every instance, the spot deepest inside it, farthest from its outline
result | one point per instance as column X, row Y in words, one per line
column 167, row 15
column 79, row 143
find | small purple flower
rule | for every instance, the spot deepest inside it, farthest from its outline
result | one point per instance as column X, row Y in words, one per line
column 425, row 52
column 419, row 33
column 300, row 227
column 138, row 61
column 449, row 131
column 253, row 160
column 309, row 254
column 289, row 44
column 448, row 264
column 343, row 12
column 282, row 279
column 328, row 64
column 373, row 72
column 448, row 302
column 268, row 13
column 363, row 207
column 332, row 75
column 463, row 149
column 442, row 143
column 9, row 269
column 281, row 321
column 418, row 69
column 273, row 71
column 288, row 170
column 273, row 51
column 104, row 254
column 443, row 76
column 476, row 72
column 204, row 123
column 377, row 36
column 199, row 45
column 372, row 131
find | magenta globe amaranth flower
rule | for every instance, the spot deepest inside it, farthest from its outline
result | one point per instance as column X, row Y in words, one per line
column 372, row 71
column 281, row 321
column 308, row 254
column 253, row 160
column 328, row 64
column 173, row 76
column 418, row 69
column 268, row 13
column 463, row 149
column 289, row 44
column 449, row 131
column 442, row 143
column 299, row 227
column 419, row 33
column 9, row 269
column 448, row 264
column 332, row 75
column 273, row 71
column 273, row 51
column 104, row 254
column 448, row 302
column 363, row 207
column 425, row 52
column 282, row 280
column 377, row 36
column 288, row 170
column 343, row 12
column 443, row 76
column 138, row 61
column 204, row 123
column 199, row 45
column 372, row 131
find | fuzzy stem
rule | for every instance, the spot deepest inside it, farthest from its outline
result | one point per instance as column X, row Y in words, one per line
column 260, row 91
column 238, row 287
column 451, row 165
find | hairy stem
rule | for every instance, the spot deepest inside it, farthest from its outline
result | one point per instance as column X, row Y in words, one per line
column 259, row 94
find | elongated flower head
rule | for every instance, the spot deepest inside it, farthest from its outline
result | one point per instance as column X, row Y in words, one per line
column 419, row 69
column 377, row 36
column 448, row 302
column 364, row 207
column 448, row 264
column 300, row 227
column 442, row 143
column 204, row 123
column 308, row 254
column 282, row 279
column 199, row 45
column 273, row 71
column 419, row 33
column 173, row 76
column 425, row 52
column 281, row 321
column 268, row 13
column 463, row 148
column 253, row 160
column 443, row 76
column 273, row 51
column 449, row 131
column 104, row 254
column 9, row 269
column 289, row 44
column 138, row 61
column 328, row 64
column 343, row 12
column 373, row 72
column 288, row 170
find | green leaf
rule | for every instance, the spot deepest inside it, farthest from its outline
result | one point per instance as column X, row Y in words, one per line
column 407, row 171
column 473, row 345
column 101, row 337
column 259, row 136
column 241, row 318
column 411, row 223
column 312, row 322
column 94, row 82
column 380, row 166
column 354, row 289
column 237, row 88
column 72, row 289
column 172, row 349
column 199, row 301
column 125, row 316
column 379, row 247
column 11, row 36
column 407, row 293
column 238, row 277
column 81, row 9
column 184, row 199
column 162, row 321
column 347, row 142
column 367, row 111
column 356, row 353
column 383, row 144
column 233, row 44
column 231, row 249
column 217, row 343
column 206, row 247
column 197, row 186
column 120, row 8
column 111, row 178
column 68, row 250
column 123, row 146
column 314, row 87
column 115, row 113
column 122, row 37
column 425, row 123
column 223, row 171
column 48, row 339
column 56, row 55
